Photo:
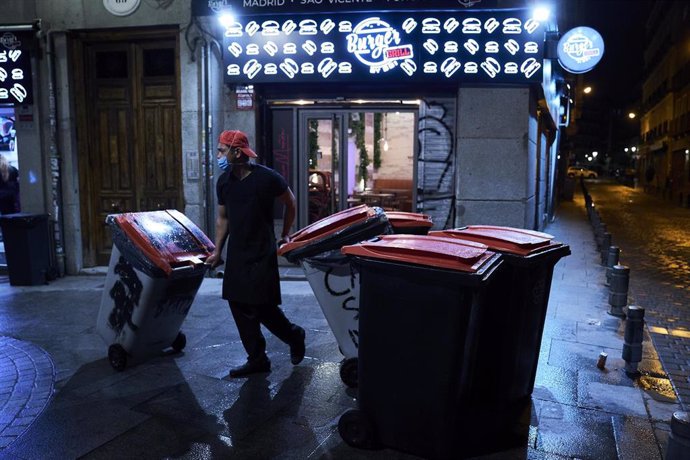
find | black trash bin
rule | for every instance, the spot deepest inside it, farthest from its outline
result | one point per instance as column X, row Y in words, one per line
column 411, row 223
column 511, row 352
column 336, row 286
column 156, row 268
column 27, row 247
column 421, row 299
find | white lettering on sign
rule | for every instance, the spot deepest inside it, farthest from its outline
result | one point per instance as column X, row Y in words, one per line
column 19, row 92
column 3, row 75
column 370, row 41
column 261, row 3
column 3, row 56
column 17, row 74
column 580, row 48
column 4, row 94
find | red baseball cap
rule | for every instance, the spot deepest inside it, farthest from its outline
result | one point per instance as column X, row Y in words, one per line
column 237, row 139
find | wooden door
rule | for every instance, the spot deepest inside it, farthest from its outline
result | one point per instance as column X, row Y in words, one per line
column 130, row 157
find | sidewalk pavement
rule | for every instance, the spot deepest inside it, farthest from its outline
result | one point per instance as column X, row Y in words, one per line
column 59, row 397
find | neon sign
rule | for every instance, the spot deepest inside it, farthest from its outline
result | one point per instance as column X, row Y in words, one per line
column 580, row 49
column 15, row 71
column 501, row 46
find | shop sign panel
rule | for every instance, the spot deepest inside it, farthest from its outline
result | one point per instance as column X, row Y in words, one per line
column 15, row 69
column 272, row 7
column 502, row 46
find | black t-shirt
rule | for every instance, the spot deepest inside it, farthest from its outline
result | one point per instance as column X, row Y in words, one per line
column 251, row 272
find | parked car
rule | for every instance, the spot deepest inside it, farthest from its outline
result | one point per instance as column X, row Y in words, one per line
column 581, row 171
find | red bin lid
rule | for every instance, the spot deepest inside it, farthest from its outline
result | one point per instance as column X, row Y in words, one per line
column 327, row 226
column 401, row 219
column 431, row 251
column 518, row 241
column 167, row 238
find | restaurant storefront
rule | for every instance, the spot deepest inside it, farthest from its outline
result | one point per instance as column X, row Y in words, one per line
column 415, row 106
column 449, row 108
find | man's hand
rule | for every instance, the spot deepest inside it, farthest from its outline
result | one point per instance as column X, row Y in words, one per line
column 283, row 240
column 214, row 260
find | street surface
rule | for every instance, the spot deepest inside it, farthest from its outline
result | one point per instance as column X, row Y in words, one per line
column 654, row 237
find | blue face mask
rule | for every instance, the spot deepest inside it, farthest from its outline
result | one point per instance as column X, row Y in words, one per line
column 223, row 163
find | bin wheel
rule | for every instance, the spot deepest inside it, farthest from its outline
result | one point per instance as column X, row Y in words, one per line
column 117, row 357
column 348, row 372
column 180, row 342
column 357, row 430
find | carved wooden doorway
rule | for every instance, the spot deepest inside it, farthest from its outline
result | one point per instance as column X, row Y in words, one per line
column 128, row 104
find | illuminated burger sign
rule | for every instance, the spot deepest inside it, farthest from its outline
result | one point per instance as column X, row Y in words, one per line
column 476, row 46
column 580, row 49
column 15, row 69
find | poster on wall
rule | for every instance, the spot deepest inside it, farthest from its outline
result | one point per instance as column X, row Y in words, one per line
column 15, row 68
column 502, row 46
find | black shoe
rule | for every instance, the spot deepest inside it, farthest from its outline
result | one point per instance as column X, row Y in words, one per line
column 297, row 347
column 251, row 367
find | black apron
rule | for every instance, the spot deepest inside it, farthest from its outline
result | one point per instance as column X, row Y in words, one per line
column 251, row 268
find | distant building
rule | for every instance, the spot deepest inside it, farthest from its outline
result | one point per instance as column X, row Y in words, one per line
column 665, row 120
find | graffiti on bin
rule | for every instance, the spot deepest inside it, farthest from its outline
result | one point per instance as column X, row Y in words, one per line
column 354, row 336
column 125, row 294
column 345, row 305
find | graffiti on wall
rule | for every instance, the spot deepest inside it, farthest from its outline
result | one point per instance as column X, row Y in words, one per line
column 436, row 160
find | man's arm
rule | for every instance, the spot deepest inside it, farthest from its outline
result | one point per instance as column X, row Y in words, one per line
column 216, row 258
column 288, row 199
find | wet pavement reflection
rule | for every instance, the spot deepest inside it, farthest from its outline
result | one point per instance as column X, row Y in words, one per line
column 654, row 237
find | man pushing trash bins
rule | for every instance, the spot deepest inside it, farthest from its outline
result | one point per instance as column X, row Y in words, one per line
column 251, row 284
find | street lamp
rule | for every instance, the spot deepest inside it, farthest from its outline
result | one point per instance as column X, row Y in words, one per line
column 587, row 90
column 594, row 154
column 632, row 115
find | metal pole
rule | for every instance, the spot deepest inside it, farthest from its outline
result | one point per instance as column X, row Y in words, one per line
column 678, row 447
column 612, row 259
column 632, row 346
column 618, row 294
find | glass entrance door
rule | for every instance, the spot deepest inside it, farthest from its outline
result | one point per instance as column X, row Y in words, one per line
column 349, row 157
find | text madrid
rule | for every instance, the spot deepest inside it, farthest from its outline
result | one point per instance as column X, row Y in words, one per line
column 262, row 3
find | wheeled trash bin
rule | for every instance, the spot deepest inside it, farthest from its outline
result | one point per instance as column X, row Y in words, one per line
column 156, row 268
column 511, row 352
column 409, row 223
column 27, row 247
column 421, row 298
column 336, row 286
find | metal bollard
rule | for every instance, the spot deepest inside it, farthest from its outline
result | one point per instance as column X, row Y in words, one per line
column 618, row 292
column 611, row 260
column 678, row 447
column 632, row 345
column 599, row 234
column 605, row 245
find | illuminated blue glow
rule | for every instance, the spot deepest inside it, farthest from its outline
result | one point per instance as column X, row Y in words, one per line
column 541, row 13
column 580, row 49
column 226, row 19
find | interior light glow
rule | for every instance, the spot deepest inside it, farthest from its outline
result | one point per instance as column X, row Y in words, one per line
column 631, row 115
column 587, row 90
column 226, row 19
column 541, row 13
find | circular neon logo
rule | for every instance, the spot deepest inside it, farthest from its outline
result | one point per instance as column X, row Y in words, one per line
column 580, row 49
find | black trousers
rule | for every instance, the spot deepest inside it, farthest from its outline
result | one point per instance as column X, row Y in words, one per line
column 249, row 319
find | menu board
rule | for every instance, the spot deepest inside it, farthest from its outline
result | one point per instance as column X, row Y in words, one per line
column 503, row 46
column 15, row 69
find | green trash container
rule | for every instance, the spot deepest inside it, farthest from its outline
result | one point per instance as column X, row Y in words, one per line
column 27, row 247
